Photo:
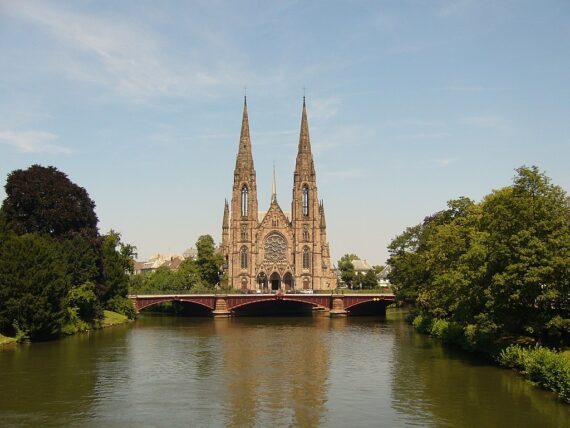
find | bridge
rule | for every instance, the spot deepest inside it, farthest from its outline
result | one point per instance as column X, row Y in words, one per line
column 225, row 305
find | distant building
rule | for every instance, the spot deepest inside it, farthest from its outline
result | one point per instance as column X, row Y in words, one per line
column 190, row 253
column 170, row 261
column 361, row 266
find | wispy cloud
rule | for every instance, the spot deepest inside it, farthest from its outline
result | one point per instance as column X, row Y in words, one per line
column 423, row 136
column 324, row 108
column 454, row 7
column 32, row 142
column 441, row 163
column 130, row 59
column 487, row 122
column 346, row 173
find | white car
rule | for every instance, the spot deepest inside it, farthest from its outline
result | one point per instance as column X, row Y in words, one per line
column 307, row 291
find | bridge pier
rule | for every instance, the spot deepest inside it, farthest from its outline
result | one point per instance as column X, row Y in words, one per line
column 337, row 307
column 221, row 308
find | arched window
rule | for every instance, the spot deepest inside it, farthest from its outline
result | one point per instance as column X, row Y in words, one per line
column 244, row 201
column 243, row 258
column 306, row 258
column 305, row 200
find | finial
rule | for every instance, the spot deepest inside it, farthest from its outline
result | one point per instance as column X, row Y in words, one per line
column 304, row 93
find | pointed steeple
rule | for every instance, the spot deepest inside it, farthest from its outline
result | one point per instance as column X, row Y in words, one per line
column 322, row 210
column 226, row 219
column 244, row 158
column 304, row 166
column 273, row 187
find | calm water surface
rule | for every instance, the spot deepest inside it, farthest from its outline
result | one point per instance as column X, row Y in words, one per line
column 275, row 372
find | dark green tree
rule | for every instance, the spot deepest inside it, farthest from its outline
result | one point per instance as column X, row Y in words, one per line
column 34, row 283
column 42, row 199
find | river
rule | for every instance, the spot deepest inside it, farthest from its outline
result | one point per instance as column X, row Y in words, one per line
column 264, row 372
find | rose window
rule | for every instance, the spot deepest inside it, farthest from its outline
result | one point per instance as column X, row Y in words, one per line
column 275, row 248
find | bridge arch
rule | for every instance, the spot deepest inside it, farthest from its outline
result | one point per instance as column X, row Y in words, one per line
column 142, row 304
column 252, row 303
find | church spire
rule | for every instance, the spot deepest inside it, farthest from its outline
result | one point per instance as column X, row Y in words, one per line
column 244, row 158
column 322, row 210
column 273, row 187
column 304, row 165
column 226, row 219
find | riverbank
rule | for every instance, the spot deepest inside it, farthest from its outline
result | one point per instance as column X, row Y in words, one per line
column 543, row 367
column 6, row 341
column 110, row 319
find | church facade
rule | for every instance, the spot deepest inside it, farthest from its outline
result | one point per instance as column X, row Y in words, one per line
column 276, row 250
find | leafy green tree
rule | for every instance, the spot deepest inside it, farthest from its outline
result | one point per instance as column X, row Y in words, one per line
column 118, row 264
column 209, row 261
column 33, row 286
column 370, row 280
column 501, row 267
column 42, row 199
column 347, row 273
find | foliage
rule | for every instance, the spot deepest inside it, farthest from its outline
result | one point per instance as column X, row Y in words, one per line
column 346, row 268
column 83, row 301
column 43, row 200
column 497, row 268
column 33, row 286
column 123, row 306
column 56, row 272
column 118, row 263
column 192, row 275
column 209, row 261
column 547, row 368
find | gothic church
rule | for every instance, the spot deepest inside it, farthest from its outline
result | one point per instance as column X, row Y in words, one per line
column 276, row 250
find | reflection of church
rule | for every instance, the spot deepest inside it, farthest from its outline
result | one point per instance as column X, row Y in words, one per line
column 275, row 249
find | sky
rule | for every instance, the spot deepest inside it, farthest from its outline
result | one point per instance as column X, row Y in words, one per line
column 410, row 103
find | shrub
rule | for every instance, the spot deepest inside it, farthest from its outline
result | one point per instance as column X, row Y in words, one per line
column 439, row 327
column 547, row 368
column 122, row 305
column 422, row 324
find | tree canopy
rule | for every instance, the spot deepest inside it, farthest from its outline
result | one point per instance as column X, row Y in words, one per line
column 56, row 272
column 501, row 266
column 44, row 200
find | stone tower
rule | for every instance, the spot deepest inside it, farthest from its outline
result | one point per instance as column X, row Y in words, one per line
column 275, row 250
column 243, row 215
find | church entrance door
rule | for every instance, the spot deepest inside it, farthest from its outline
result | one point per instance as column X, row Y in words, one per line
column 275, row 281
column 288, row 280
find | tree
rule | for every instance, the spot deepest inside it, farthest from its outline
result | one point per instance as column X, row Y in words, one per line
column 498, row 267
column 346, row 268
column 33, row 286
column 42, row 199
column 118, row 263
column 209, row 261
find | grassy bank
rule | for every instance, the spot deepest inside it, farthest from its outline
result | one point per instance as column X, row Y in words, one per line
column 544, row 367
column 110, row 319
column 113, row 318
column 4, row 340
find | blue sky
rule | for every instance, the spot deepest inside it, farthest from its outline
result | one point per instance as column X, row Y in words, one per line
column 410, row 103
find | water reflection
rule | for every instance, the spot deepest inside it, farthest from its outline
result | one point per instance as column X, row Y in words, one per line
column 246, row 372
column 440, row 386
column 275, row 372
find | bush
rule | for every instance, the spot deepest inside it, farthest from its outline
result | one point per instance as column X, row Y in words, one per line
column 122, row 305
column 439, row 327
column 422, row 324
column 547, row 368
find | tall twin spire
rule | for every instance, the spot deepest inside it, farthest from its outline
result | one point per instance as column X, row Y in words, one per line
column 244, row 159
column 304, row 165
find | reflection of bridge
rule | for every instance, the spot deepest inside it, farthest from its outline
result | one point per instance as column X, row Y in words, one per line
column 224, row 305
